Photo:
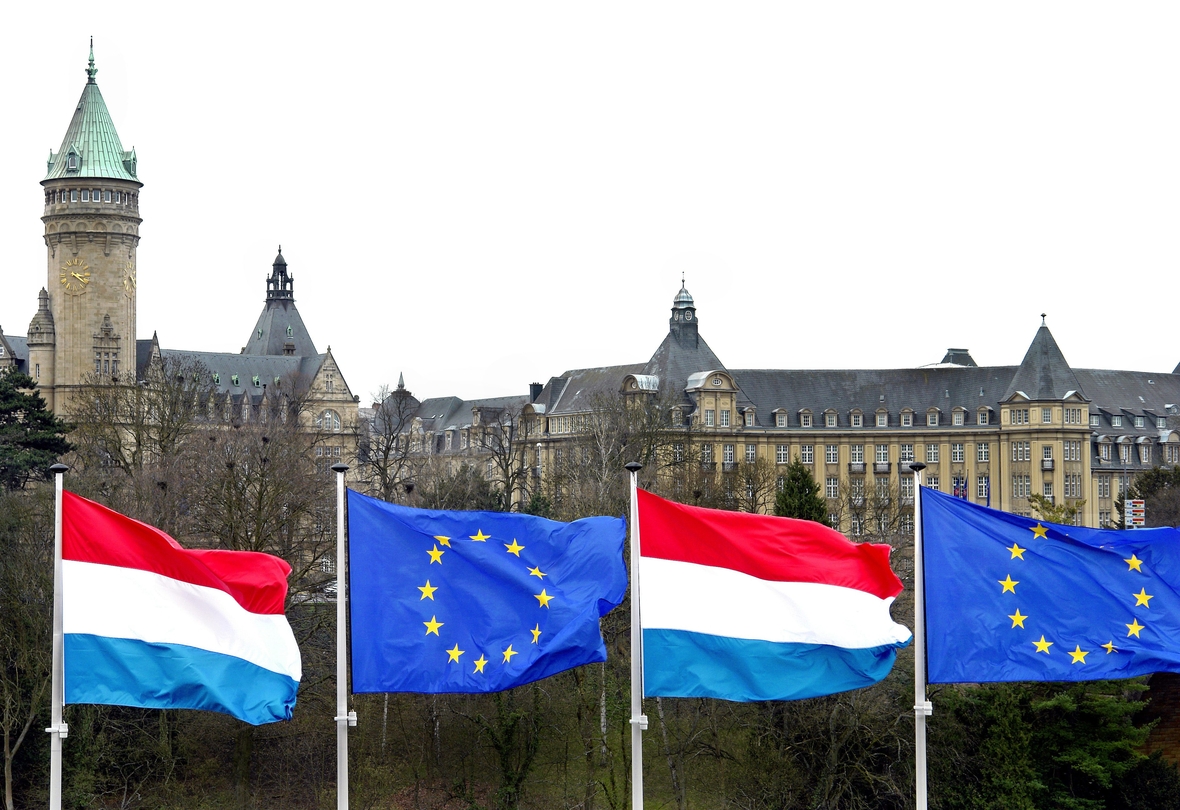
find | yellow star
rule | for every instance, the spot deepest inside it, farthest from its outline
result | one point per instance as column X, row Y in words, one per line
column 1009, row 584
column 536, row 631
column 446, row 541
column 537, row 572
column 1017, row 551
column 454, row 653
column 1134, row 627
column 1109, row 647
column 1017, row 619
column 1042, row 645
column 508, row 653
column 1038, row 531
column 1078, row 656
column 479, row 664
column 479, row 536
column 432, row 625
column 515, row 548
column 543, row 598
column 1142, row 598
column 436, row 555
column 1134, row 564
column 427, row 591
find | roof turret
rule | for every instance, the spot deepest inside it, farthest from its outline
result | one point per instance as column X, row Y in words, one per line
column 91, row 146
column 280, row 328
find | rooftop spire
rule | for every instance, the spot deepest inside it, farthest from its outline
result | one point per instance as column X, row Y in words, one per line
column 91, row 71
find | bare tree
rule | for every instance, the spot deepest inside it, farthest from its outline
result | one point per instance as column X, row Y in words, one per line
column 26, row 599
column 386, row 463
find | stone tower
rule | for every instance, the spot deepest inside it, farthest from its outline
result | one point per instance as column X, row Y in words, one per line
column 84, row 329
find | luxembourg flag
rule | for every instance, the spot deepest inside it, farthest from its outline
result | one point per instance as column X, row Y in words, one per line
column 150, row 624
column 749, row 607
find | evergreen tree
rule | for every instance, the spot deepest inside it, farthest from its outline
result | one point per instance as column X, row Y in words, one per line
column 799, row 496
column 31, row 437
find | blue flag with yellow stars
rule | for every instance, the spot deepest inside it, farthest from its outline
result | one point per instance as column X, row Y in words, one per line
column 475, row 601
column 1014, row 599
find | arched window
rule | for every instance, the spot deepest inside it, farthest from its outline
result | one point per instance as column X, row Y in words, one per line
column 328, row 420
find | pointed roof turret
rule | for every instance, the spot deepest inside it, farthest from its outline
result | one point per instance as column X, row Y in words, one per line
column 91, row 146
column 1044, row 373
column 280, row 328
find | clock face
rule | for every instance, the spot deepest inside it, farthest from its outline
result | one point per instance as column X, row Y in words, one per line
column 75, row 276
column 688, row 315
column 129, row 280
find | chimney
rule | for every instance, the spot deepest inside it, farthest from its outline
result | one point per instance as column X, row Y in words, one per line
column 535, row 391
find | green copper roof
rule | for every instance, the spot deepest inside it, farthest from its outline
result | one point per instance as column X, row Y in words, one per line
column 91, row 147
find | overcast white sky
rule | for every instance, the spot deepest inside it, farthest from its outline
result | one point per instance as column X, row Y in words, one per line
column 485, row 194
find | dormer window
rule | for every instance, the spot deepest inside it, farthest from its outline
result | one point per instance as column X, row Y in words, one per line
column 957, row 418
column 907, row 419
column 72, row 162
column 857, row 419
column 804, row 419
column 234, row 379
column 1116, row 421
column 780, row 419
column 1138, row 421
column 257, row 381
column 290, row 331
column 216, row 378
column 830, row 420
column 748, row 416
column 982, row 417
column 882, row 419
column 932, row 419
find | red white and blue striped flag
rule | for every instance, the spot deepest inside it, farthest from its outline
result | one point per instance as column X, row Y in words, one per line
column 153, row 625
column 752, row 607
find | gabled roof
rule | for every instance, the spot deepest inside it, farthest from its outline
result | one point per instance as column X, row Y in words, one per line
column 1044, row 374
column 91, row 136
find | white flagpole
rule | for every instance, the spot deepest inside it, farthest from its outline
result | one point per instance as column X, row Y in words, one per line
column 638, row 718
column 922, row 706
column 57, row 729
column 344, row 718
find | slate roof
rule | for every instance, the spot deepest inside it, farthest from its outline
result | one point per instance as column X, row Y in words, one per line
column 91, row 134
column 280, row 327
column 677, row 358
column 920, row 389
column 270, row 334
column 576, row 391
column 1044, row 373
column 20, row 348
column 287, row 370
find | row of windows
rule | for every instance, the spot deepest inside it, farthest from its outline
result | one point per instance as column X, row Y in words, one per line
column 90, row 195
column 1125, row 453
column 1117, row 420
column 881, row 418
column 880, row 453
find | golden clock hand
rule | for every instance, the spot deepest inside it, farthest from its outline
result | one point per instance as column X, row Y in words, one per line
column 75, row 275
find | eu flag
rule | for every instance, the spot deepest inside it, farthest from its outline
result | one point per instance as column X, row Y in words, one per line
column 475, row 601
column 1014, row 599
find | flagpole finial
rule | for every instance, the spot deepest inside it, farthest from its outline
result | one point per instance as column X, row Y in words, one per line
column 58, row 469
column 917, row 466
column 1042, row 319
column 632, row 466
column 339, row 468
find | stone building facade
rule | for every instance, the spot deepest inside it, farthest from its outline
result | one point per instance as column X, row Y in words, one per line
column 84, row 329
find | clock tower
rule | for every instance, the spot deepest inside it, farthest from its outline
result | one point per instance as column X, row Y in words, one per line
column 84, row 330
